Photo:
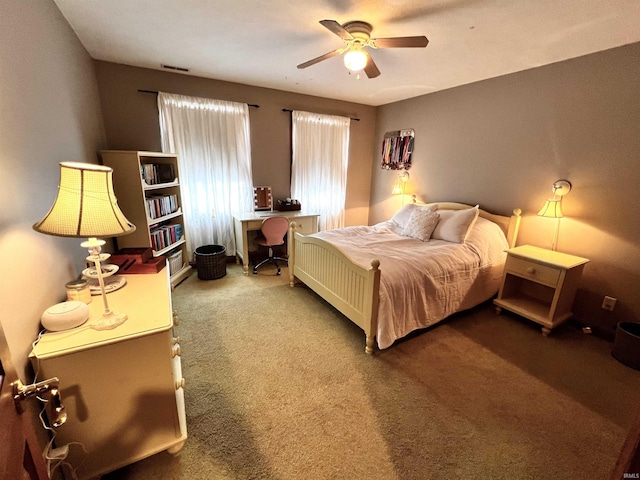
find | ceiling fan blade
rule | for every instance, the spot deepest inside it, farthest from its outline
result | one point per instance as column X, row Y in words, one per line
column 321, row 58
column 399, row 42
column 336, row 28
column 371, row 68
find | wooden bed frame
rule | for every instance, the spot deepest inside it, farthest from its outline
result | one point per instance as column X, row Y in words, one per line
column 354, row 289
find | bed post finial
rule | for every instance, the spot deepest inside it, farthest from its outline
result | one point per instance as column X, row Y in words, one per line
column 514, row 226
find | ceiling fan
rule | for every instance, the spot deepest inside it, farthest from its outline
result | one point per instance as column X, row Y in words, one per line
column 356, row 36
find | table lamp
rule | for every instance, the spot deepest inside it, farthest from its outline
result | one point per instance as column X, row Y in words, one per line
column 552, row 207
column 86, row 206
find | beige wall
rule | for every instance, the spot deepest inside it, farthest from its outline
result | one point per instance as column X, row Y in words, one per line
column 131, row 122
column 49, row 113
column 503, row 142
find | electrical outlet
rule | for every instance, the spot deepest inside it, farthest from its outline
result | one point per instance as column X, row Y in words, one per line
column 609, row 303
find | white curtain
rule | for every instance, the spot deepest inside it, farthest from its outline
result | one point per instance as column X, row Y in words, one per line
column 319, row 166
column 211, row 138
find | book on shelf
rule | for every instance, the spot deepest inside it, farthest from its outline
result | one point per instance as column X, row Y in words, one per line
column 158, row 173
column 161, row 205
column 163, row 236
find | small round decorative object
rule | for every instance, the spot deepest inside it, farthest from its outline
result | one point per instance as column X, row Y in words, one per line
column 65, row 315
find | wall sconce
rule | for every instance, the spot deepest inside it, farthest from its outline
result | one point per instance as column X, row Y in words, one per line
column 401, row 185
column 552, row 207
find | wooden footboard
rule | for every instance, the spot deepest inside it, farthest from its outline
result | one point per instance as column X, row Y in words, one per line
column 350, row 288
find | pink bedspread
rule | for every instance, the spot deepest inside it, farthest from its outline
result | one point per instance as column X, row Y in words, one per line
column 422, row 283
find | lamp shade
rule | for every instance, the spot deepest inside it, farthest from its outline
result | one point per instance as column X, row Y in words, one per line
column 397, row 189
column 355, row 60
column 86, row 204
column 551, row 208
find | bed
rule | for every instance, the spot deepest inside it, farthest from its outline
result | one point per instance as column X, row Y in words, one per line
column 390, row 280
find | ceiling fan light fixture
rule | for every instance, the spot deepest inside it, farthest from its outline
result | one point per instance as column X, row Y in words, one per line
column 355, row 60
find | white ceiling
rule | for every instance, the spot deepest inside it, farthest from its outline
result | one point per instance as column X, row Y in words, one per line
column 261, row 42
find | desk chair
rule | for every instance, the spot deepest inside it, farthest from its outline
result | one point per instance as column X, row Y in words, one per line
column 274, row 230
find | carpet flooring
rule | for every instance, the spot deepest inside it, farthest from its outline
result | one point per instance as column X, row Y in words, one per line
column 279, row 387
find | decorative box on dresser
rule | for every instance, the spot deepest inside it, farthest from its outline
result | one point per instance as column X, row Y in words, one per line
column 151, row 199
column 122, row 388
column 540, row 285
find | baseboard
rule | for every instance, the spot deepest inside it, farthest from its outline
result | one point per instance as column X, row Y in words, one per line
column 596, row 330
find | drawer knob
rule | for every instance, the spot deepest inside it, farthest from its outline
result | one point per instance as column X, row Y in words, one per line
column 180, row 384
column 175, row 340
column 175, row 351
column 531, row 270
column 176, row 320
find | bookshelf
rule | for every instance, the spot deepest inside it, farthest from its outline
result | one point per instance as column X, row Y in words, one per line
column 147, row 185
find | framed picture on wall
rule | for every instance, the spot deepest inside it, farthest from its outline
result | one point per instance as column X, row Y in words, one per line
column 397, row 147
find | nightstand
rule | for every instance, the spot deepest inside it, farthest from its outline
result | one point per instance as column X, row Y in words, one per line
column 540, row 285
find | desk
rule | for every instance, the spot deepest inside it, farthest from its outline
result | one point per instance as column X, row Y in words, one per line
column 306, row 223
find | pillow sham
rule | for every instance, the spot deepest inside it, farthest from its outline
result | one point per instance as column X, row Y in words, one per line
column 421, row 224
column 454, row 225
column 402, row 216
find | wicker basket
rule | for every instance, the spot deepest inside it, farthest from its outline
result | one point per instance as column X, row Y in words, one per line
column 626, row 348
column 211, row 261
column 175, row 262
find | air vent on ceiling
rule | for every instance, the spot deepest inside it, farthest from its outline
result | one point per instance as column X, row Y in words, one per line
column 171, row 67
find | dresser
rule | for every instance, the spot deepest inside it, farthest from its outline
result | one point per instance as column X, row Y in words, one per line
column 540, row 285
column 306, row 223
column 122, row 388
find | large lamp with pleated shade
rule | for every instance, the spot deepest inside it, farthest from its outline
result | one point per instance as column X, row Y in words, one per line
column 86, row 206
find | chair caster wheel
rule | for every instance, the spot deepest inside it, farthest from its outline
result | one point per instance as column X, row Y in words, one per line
column 255, row 272
column 278, row 273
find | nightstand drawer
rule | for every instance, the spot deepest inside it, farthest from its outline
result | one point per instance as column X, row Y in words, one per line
column 533, row 271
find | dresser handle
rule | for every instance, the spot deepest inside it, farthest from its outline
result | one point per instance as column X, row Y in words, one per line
column 531, row 270
column 180, row 384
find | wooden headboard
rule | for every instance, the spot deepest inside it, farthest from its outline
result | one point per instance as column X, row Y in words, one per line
column 509, row 225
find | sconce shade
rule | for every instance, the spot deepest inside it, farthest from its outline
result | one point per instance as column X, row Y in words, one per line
column 400, row 185
column 86, row 204
column 551, row 209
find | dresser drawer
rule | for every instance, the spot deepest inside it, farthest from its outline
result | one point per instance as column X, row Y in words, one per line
column 254, row 224
column 533, row 271
column 306, row 226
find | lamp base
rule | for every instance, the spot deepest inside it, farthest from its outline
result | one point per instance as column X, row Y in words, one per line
column 108, row 321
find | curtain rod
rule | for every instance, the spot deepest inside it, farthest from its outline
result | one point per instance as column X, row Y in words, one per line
column 289, row 110
column 155, row 92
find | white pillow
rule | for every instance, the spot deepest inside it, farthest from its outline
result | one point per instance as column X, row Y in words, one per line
column 421, row 224
column 402, row 216
column 455, row 225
